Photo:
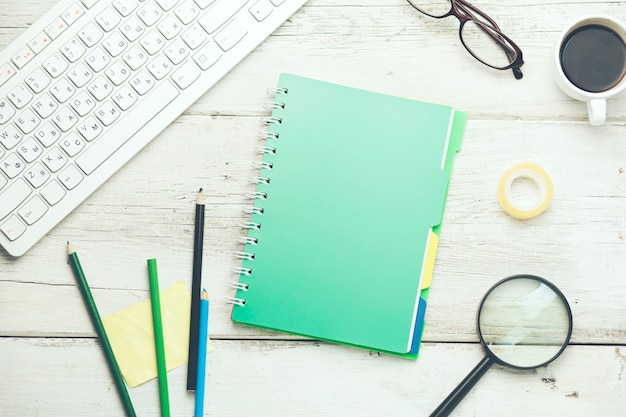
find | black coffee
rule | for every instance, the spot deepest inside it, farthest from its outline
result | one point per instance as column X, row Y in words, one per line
column 593, row 58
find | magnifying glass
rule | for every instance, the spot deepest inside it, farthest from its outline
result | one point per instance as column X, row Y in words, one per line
column 524, row 322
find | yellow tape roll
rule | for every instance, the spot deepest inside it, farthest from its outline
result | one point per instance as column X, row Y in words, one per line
column 534, row 173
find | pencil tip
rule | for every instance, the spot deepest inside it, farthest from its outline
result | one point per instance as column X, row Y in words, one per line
column 200, row 190
column 204, row 295
column 200, row 199
column 70, row 248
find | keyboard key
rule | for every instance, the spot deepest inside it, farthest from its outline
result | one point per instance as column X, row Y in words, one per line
column 73, row 50
column 57, row 27
column 208, row 55
column 70, row 177
column 55, row 65
column 107, row 113
column 261, row 9
column 170, row 27
column 29, row 150
column 142, row 82
column 6, row 111
column 83, row 103
column 13, row 196
column 47, row 134
column 125, row 97
column 152, row 42
column 53, row 192
column 230, row 35
column 65, row 119
column 55, row 159
column 6, row 72
column 9, row 135
column 101, row 150
column 72, row 144
column 39, row 42
column 150, row 13
column 23, row 57
column 13, row 228
column 62, row 90
column 115, row 44
column 118, row 72
column 27, row 121
column 186, row 74
column 100, row 88
column 135, row 57
column 194, row 36
column 125, row 7
column 90, row 34
column 203, row 4
column 89, row 128
column 167, row 4
column 37, row 80
column 187, row 11
column 177, row 51
column 20, row 96
column 12, row 166
column 33, row 210
column 80, row 74
column 133, row 29
column 45, row 105
column 37, row 175
column 97, row 59
column 108, row 19
column 220, row 13
column 160, row 67
column 72, row 13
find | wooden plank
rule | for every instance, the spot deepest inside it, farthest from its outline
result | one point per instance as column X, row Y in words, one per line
column 261, row 378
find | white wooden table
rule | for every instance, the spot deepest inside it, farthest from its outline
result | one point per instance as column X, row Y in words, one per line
column 51, row 363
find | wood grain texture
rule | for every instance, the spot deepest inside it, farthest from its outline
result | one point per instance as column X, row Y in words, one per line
column 48, row 346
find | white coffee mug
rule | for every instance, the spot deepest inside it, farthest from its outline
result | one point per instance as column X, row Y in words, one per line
column 596, row 100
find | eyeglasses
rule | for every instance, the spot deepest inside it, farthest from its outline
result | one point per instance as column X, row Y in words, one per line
column 479, row 34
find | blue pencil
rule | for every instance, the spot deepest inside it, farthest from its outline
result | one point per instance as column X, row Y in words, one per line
column 204, row 325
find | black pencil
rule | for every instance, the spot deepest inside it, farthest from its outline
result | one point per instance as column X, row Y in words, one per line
column 196, row 284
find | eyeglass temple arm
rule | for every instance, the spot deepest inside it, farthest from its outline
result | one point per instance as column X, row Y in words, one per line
column 467, row 9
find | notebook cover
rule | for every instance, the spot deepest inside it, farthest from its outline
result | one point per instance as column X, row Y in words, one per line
column 356, row 185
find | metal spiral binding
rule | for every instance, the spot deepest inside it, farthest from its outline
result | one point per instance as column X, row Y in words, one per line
column 253, row 210
column 237, row 301
column 245, row 255
column 239, row 286
column 263, row 165
column 258, row 195
column 279, row 90
column 251, row 226
column 268, row 135
column 273, row 120
column 248, row 240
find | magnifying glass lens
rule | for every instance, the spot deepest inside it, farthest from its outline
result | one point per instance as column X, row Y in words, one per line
column 524, row 322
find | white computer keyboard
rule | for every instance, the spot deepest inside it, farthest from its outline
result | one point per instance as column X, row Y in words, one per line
column 81, row 89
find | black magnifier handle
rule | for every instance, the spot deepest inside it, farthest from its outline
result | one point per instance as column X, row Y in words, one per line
column 451, row 401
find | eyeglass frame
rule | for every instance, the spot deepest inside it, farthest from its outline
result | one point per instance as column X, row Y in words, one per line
column 462, row 10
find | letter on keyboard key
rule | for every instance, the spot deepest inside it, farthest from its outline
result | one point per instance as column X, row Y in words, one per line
column 13, row 196
column 151, row 104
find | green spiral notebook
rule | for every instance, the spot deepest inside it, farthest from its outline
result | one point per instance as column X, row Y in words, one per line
column 344, row 229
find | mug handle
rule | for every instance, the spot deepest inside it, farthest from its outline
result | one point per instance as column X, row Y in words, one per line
column 596, row 107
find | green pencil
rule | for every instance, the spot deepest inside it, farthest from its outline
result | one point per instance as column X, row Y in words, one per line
column 158, row 337
column 97, row 323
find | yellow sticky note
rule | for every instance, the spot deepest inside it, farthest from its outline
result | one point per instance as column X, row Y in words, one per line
column 131, row 334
